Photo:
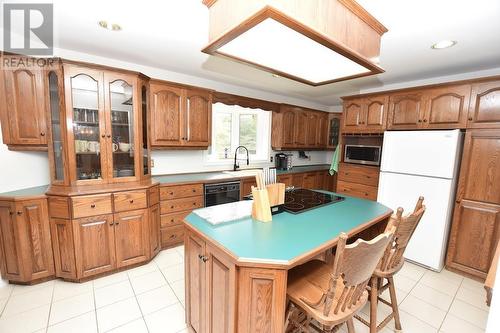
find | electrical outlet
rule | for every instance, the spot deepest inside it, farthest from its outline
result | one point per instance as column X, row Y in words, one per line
column 152, row 163
column 271, row 159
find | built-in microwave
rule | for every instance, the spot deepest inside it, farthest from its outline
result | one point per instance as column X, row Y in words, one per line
column 362, row 154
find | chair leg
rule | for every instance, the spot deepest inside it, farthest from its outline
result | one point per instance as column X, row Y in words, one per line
column 350, row 326
column 373, row 304
column 394, row 303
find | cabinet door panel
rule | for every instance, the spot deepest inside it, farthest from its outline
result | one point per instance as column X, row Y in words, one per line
column 480, row 170
column 298, row 179
column 36, row 240
column 312, row 129
column 289, row 123
column 166, row 115
column 131, row 237
column 484, row 110
column 405, row 111
column 322, row 133
column 353, row 114
column 198, row 118
column 154, row 229
column 285, row 179
column 310, row 181
column 474, row 237
column 221, row 296
column 195, row 283
column 447, row 107
column 64, row 247
column 94, row 245
column 301, row 128
column 10, row 248
column 26, row 106
column 376, row 113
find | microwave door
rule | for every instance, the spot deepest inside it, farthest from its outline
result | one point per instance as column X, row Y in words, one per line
column 359, row 154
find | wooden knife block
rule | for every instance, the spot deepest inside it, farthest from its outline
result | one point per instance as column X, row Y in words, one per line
column 264, row 199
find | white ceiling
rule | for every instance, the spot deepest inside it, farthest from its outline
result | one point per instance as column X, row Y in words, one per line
column 169, row 34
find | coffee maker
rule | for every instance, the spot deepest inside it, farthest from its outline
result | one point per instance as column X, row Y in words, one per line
column 283, row 161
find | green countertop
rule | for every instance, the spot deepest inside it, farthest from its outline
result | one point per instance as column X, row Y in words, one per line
column 289, row 236
column 215, row 176
column 31, row 191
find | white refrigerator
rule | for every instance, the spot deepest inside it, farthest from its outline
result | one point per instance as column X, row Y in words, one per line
column 426, row 163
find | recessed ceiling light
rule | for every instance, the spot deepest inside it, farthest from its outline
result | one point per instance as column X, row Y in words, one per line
column 444, row 44
column 113, row 27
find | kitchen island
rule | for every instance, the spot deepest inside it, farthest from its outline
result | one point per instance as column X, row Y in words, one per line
column 236, row 272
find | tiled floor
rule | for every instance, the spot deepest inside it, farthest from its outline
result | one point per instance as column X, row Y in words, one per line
column 150, row 298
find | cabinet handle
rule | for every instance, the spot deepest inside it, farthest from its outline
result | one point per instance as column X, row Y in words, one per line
column 131, row 201
column 117, row 223
column 172, row 220
column 42, row 134
column 171, row 193
column 457, row 201
column 425, row 120
column 419, row 121
column 200, row 256
column 171, row 207
column 194, row 191
column 470, row 118
column 92, row 206
column 111, row 224
column 366, row 194
column 19, row 213
column 205, row 259
column 109, row 136
column 172, row 236
column 103, row 136
column 194, row 203
column 11, row 212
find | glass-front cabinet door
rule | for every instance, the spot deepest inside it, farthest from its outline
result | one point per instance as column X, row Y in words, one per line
column 87, row 134
column 121, row 105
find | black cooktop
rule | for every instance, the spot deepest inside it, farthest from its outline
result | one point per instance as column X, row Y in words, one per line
column 301, row 200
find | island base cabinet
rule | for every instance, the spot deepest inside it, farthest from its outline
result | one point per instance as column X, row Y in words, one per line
column 25, row 243
column 224, row 298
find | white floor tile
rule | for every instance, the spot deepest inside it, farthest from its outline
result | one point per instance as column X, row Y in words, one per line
column 144, row 269
column 113, row 293
column 168, row 258
column 421, row 310
column 5, row 289
column 173, row 273
column 156, row 299
column 180, row 250
column 21, row 289
column 411, row 324
column 28, row 300
column 167, row 320
column 440, row 282
column 469, row 313
column 3, row 302
column 136, row 326
column 473, row 297
column 63, row 289
column 85, row 323
column 117, row 314
column 432, row 296
column 453, row 324
column 412, row 271
column 110, row 279
column 28, row 321
column 71, row 307
column 404, row 283
column 147, row 282
column 400, row 295
column 473, row 285
column 178, row 288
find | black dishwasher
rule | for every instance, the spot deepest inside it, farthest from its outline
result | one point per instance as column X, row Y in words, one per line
column 216, row 194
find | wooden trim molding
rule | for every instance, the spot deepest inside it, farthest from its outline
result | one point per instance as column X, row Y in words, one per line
column 247, row 102
column 271, row 12
column 208, row 3
column 364, row 15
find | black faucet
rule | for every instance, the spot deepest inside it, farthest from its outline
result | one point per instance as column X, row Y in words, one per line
column 236, row 165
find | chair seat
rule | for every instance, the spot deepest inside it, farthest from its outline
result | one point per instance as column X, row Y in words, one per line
column 310, row 281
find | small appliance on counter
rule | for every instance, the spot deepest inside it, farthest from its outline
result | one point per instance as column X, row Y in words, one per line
column 283, row 161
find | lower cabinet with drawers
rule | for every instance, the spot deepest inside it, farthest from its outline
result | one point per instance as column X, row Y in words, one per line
column 358, row 180
column 94, row 234
column 176, row 202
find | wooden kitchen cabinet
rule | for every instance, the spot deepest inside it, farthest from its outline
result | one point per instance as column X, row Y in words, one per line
column 285, row 179
column 358, row 180
column 484, row 109
column 94, row 239
column 446, row 107
column 365, row 115
column 406, row 110
column 246, row 186
column 289, row 117
column 23, row 107
column 210, row 286
column 154, row 230
column 131, row 237
column 475, row 228
column 311, row 181
column 25, row 242
column 180, row 117
column 322, row 131
column 353, row 115
column 301, row 129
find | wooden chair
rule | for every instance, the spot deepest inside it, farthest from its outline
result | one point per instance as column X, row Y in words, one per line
column 390, row 264
column 323, row 296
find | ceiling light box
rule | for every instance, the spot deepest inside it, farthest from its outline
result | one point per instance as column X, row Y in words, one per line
column 315, row 42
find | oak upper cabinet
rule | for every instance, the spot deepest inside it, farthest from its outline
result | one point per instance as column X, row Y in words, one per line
column 180, row 117
column 26, row 251
column 94, row 245
column 484, row 109
column 313, row 123
column 289, row 117
column 333, row 133
column 476, row 221
column 23, row 107
column 301, row 128
column 446, row 107
column 210, row 287
column 131, row 237
column 406, row 110
column 322, row 131
column 365, row 115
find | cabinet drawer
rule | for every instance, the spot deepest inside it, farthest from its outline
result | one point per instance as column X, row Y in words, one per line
column 130, row 200
column 180, row 191
column 90, row 205
column 357, row 190
column 172, row 235
column 170, row 220
column 358, row 174
column 178, row 205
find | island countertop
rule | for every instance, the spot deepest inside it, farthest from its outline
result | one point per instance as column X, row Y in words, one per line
column 290, row 238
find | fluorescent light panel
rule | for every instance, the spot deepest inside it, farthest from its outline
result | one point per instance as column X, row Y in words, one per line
column 276, row 46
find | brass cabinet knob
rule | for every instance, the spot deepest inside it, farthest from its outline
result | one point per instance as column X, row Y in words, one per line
column 42, row 134
column 470, row 118
column 92, row 206
column 171, row 193
column 109, row 136
column 19, row 213
column 103, row 136
column 131, row 201
column 425, row 120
